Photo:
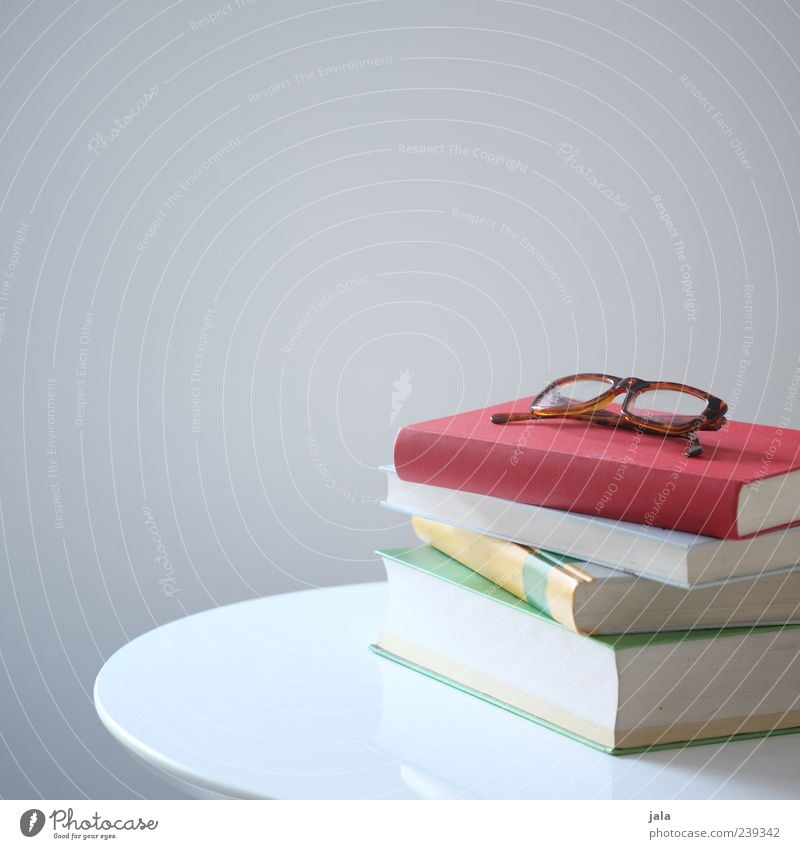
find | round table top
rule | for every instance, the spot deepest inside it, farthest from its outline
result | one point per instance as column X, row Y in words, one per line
column 281, row 698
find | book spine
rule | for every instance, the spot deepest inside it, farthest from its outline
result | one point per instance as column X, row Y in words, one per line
column 545, row 581
column 681, row 498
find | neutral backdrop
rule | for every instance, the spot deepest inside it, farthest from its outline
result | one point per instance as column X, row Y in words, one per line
column 241, row 245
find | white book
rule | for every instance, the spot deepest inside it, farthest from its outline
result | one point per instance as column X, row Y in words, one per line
column 673, row 557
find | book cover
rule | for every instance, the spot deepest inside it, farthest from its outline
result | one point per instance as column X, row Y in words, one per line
column 545, row 580
column 609, row 750
column 745, row 481
column 428, row 559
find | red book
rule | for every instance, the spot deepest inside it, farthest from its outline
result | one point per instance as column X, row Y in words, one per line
column 747, row 480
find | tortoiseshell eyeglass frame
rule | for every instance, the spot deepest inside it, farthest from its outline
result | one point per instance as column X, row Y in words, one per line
column 712, row 417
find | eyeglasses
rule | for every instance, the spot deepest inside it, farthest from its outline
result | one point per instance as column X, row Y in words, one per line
column 660, row 407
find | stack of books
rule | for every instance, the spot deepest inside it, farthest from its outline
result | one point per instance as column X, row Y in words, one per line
column 598, row 581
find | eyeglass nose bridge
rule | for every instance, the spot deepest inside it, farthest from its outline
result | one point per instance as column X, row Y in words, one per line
column 633, row 384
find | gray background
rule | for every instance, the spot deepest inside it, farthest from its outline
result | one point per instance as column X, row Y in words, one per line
column 305, row 224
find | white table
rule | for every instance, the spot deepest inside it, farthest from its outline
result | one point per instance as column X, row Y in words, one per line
column 280, row 697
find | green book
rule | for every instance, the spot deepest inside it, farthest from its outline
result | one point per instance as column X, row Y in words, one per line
column 623, row 693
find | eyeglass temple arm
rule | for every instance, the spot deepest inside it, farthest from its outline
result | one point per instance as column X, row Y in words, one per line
column 594, row 415
column 693, row 449
column 505, row 418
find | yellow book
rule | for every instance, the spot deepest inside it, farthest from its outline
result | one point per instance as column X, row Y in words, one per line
column 545, row 580
column 591, row 599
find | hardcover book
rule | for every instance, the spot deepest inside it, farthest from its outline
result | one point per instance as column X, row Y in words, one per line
column 669, row 556
column 746, row 481
column 618, row 693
